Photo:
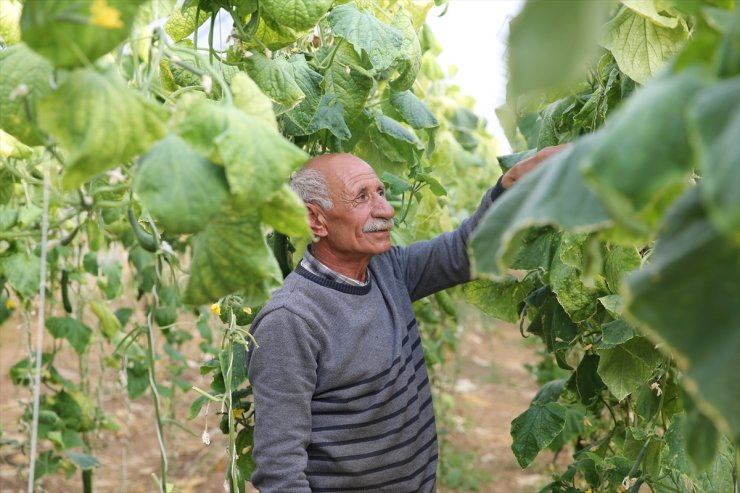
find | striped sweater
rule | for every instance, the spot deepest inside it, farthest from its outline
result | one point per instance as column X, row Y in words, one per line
column 340, row 386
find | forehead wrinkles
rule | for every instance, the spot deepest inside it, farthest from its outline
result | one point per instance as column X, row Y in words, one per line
column 355, row 182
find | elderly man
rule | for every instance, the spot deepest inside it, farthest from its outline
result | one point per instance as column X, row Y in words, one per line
column 340, row 386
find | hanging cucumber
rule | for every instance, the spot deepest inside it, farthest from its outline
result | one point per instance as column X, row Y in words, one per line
column 147, row 240
column 65, row 292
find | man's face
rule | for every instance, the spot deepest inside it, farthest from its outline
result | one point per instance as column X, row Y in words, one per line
column 359, row 224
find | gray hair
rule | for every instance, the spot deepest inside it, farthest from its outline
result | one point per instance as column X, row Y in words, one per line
column 311, row 187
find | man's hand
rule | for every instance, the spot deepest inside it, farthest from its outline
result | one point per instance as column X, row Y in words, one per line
column 523, row 167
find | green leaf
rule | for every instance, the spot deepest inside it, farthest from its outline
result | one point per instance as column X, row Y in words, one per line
column 231, row 255
column 137, row 379
column 551, row 42
column 585, row 380
column 100, row 121
column 329, row 115
column 295, row 14
column 252, row 101
column 653, row 123
column 47, row 463
column 23, row 272
column 196, row 406
column 615, row 333
column 275, row 78
column 717, row 477
column 347, row 78
column 550, row 392
column 381, row 42
column 639, row 45
column 83, row 461
column 179, row 187
column 182, row 24
column 702, row 439
column 271, row 35
column 689, row 287
column 554, row 194
column 613, row 304
column 74, row 331
column 258, row 160
column 298, row 118
column 286, row 212
column 21, row 67
column 410, row 51
column 74, row 33
column 714, row 119
column 109, row 324
column 238, row 364
column 413, row 110
column 625, row 367
column 500, row 299
column 565, row 279
column 619, row 262
column 534, row 429
column 391, row 127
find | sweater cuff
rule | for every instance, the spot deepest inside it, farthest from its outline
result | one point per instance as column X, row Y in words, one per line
column 497, row 190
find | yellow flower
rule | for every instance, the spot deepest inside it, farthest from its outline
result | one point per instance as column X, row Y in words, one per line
column 104, row 15
column 238, row 412
column 10, row 304
column 247, row 310
column 216, row 309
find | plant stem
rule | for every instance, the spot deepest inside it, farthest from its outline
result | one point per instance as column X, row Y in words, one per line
column 39, row 335
column 87, row 476
column 155, row 397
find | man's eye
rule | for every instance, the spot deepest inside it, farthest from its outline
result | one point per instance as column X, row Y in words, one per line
column 381, row 192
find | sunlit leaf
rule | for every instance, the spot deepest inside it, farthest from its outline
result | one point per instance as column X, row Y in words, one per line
column 100, row 121
column 295, row 14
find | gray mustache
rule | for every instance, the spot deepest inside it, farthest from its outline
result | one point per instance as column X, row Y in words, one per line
column 378, row 225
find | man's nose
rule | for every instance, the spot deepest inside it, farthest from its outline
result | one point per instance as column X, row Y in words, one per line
column 381, row 207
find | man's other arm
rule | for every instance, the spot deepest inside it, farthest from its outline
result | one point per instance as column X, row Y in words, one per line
column 442, row 262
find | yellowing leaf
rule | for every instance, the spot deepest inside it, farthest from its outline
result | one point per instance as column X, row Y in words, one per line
column 640, row 46
column 10, row 18
column 100, row 121
column 181, row 24
column 252, row 101
column 274, row 78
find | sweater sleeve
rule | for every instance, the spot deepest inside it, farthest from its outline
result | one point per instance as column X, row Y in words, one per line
column 282, row 372
column 442, row 262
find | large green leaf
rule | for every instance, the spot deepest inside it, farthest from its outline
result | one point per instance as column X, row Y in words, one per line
column 551, row 42
column 258, row 160
column 275, row 78
column 499, row 299
column 26, row 79
column 381, row 42
column 295, row 14
column 23, row 272
column 640, row 45
column 73, row 33
column 100, row 121
column 715, row 127
column 179, row 187
column 554, row 194
column 717, row 477
column 686, row 297
column 413, row 110
column 74, row 331
column 410, row 52
column 534, row 429
column 585, row 380
column 286, row 212
column 347, row 78
column 652, row 123
column 296, row 120
column 330, row 115
column 231, row 255
column 625, row 367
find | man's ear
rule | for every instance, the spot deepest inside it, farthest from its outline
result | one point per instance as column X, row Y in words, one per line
column 317, row 220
